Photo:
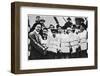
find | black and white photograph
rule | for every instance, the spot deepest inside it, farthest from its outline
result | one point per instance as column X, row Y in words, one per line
column 57, row 37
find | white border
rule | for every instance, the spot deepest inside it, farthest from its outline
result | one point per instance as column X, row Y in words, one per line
column 40, row 64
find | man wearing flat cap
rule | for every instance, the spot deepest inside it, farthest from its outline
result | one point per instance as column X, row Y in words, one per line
column 68, row 23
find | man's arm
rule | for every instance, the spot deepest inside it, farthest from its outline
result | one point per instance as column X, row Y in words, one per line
column 36, row 45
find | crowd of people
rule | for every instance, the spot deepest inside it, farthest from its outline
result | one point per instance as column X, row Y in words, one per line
column 57, row 42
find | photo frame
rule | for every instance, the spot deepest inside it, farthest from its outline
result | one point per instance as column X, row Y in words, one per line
column 23, row 16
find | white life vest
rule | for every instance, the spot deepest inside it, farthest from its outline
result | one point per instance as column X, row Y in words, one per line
column 83, row 40
column 74, row 41
column 65, row 47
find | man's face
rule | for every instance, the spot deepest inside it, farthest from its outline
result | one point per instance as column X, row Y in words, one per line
column 69, row 31
column 38, row 28
column 53, row 32
column 45, row 31
column 69, row 20
column 59, row 29
column 42, row 22
column 38, row 18
column 81, row 28
column 51, row 27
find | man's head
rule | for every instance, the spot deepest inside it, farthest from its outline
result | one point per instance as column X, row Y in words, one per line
column 82, row 28
column 45, row 30
column 38, row 27
column 37, row 17
column 68, row 19
column 59, row 29
column 69, row 30
column 42, row 21
column 51, row 26
column 54, row 31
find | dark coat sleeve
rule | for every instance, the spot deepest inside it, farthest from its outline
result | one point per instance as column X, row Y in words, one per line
column 35, row 44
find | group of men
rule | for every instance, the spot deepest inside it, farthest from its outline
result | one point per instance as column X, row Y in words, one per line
column 68, row 41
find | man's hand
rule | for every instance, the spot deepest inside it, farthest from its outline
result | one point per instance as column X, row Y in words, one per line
column 45, row 50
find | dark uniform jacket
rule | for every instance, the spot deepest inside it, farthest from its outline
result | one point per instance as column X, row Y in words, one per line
column 36, row 51
column 67, row 24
